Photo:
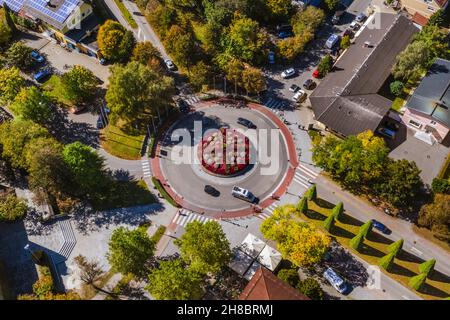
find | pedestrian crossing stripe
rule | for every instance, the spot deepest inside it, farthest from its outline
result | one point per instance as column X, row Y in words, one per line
column 301, row 179
column 268, row 211
column 307, row 171
column 191, row 100
column 183, row 217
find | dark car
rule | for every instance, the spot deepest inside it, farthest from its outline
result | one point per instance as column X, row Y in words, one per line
column 284, row 27
column 381, row 227
column 309, row 84
column 212, row 191
column 392, row 125
column 348, row 32
column 101, row 123
column 42, row 74
column 246, row 123
column 294, row 88
column 183, row 106
column 37, row 57
column 285, row 34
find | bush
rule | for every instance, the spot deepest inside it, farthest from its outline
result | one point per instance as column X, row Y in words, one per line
column 387, row 261
column 289, row 276
column 337, row 211
column 357, row 241
column 325, row 65
column 427, row 267
column 365, row 229
column 328, row 224
column 302, row 205
column 44, row 286
column 440, row 185
column 417, row 282
column 312, row 193
column 396, row 88
column 396, row 247
column 311, row 288
column 12, row 209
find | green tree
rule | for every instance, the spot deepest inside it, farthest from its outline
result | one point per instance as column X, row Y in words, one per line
column 312, row 193
column 181, row 45
column 86, row 167
column 32, row 104
column 291, row 47
column 434, row 38
column 307, row 20
column 5, row 29
column 387, row 261
column 204, row 247
column 279, row 9
column 12, row 208
column 436, row 216
column 417, row 281
column 345, row 42
column 253, row 80
column 136, row 92
column 12, row 82
column 302, row 205
column 366, row 228
column 395, row 247
column 396, row 87
column 79, row 84
column 412, row 61
column 427, row 267
column 233, row 70
column 200, row 75
column 129, row 251
column 331, row 5
column 289, row 276
column 357, row 241
column 338, row 211
column 437, row 19
column 115, row 42
column 328, row 223
column 19, row 55
column 311, row 288
column 325, row 65
column 173, row 281
column 144, row 52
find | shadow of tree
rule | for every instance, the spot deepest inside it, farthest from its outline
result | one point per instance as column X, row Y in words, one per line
column 439, row 276
column 402, row 271
column 340, row 232
column 346, row 219
column 324, row 204
column 406, row 256
column 433, row 291
column 311, row 214
column 376, row 237
column 370, row 251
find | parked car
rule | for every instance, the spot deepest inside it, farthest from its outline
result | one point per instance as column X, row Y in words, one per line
column 243, row 194
column 354, row 25
column 284, row 27
column 391, row 124
column 100, row 123
column 42, row 74
column 300, row 96
column 288, row 73
column 294, row 88
column 271, row 57
column 211, row 191
column 246, row 123
column 285, row 34
column 360, row 17
column 170, row 65
column 37, row 57
column 309, row 84
column 337, row 16
column 332, row 41
column 379, row 226
column 335, row 280
column 386, row 132
column 348, row 32
column 103, row 61
column 316, row 74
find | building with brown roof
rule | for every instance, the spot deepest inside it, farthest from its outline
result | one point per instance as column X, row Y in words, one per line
column 264, row 285
column 347, row 100
column 425, row 8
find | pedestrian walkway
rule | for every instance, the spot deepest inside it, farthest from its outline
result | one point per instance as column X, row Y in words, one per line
column 268, row 211
column 191, row 100
column 305, row 176
column 183, row 217
column 69, row 239
column 146, row 168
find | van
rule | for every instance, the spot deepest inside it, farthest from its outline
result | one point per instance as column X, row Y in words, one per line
column 243, row 194
column 335, row 280
column 332, row 41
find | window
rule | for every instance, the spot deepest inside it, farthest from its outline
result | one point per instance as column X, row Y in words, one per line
column 433, row 123
column 431, row 9
column 416, row 124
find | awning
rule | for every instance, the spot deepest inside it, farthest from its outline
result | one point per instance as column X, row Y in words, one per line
column 269, row 258
column 252, row 245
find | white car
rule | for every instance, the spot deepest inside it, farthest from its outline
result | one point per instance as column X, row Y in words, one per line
column 170, row 65
column 335, row 280
column 299, row 96
column 243, row 194
column 354, row 25
column 288, row 73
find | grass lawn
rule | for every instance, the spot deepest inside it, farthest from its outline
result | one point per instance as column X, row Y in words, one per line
column 127, row 15
column 400, row 101
column 54, row 88
column 120, row 144
column 406, row 265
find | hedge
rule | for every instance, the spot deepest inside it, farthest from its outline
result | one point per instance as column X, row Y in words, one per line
column 158, row 234
column 312, row 193
column 396, row 246
column 387, row 261
column 365, row 229
column 417, row 282
column 328, row 224
column 164, row 193
column 337, row 211
column 427, row 267
column 289, row 276
column 357, row 241
column 311, row 288
column 302, row 205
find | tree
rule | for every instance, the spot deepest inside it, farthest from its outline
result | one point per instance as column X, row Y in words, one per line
column 325, row 65
column 366, row 228
column 331, row 5
column 180, row 43
column 233, row 70
column 136, row 92
column 338, row 211
column 328, row 224
column 12, row 209
column 86, row 167
column 200, row 75
column 441, row 185
column 302, row 205
column 312, row 193
column 427, row 267
column 12, row 82
column 129, row 251
column 396, row 246
column 279, row 9
column 311, row 288
column 79, row 84
column 434, row 38
column 436, row 216
column 437, row 19
column 32, row 104
column 5, row 29
column 90, row 272
column 412, row 61
column 115, row 42
column 291, row 47
column 386, row 261
column 144, row 52
column 297, row 241
column 204, row 247
column 253, row 80
column 345, row 41
column 172, row 281
column 289, row 276
column 396, row 87
column 417, row 281
column 307, row 20
column 357, row 241
column 19, row 55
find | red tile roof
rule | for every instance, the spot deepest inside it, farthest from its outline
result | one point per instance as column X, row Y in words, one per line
column 419, row 19
column 264, row 285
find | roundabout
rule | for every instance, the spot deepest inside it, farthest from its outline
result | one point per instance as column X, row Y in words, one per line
column 208, row 149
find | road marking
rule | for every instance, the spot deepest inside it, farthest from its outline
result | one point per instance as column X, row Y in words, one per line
column 183, row 217
column 268, row 211
column 308, row 171
column 416, row 251
column 301, row 179
column 406, row 298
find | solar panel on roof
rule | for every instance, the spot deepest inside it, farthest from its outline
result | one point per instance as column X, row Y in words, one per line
column 14, row 5
column 60, row 14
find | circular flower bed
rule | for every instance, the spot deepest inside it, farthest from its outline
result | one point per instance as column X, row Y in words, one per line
column 225, row 152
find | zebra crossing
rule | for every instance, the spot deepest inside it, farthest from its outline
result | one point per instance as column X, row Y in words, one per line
column 146, row 168
column 275, row 104
column 304, row 176
column 183, row 217
column 268, row 211
column 191, row 100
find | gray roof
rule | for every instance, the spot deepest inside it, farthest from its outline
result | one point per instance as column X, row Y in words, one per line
column 432, row 96
column 346, row 100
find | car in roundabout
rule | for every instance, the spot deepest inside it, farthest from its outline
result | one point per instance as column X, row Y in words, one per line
column 246, row 123
column 209, row 189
